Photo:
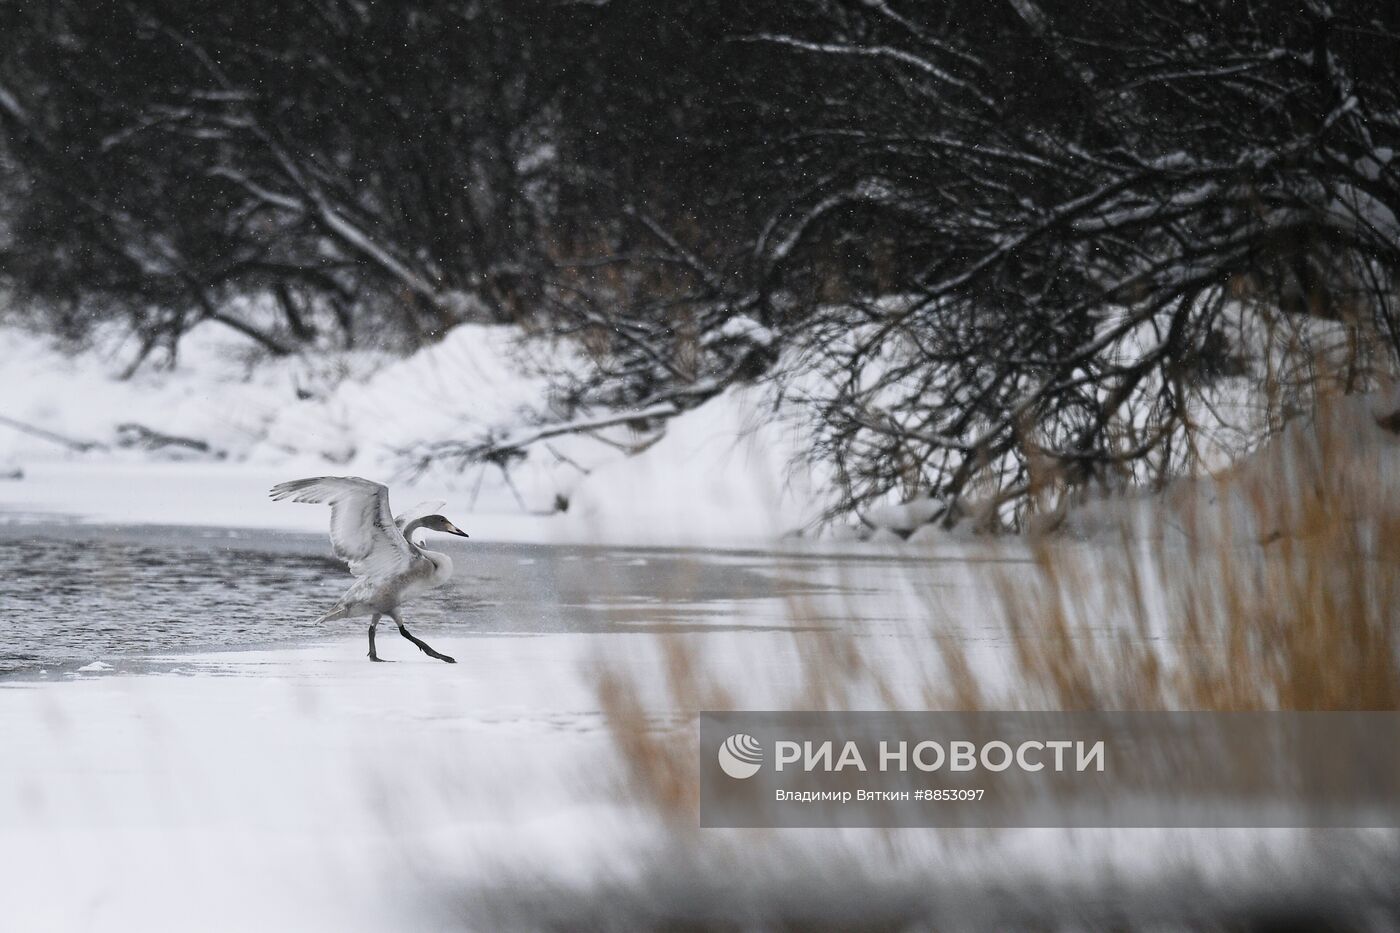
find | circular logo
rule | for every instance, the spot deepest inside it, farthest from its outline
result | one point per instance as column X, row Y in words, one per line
column 740, row 756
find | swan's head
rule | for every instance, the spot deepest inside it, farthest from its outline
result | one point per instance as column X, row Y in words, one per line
column 440, row 523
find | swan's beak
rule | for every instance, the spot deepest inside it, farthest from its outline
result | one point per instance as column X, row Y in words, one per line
column 454, row 530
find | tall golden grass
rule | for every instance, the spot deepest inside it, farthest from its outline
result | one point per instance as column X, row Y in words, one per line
column 1275, row 587
column 1271, row 587
column 1280, row 592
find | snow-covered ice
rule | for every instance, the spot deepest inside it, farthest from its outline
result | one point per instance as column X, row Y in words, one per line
column 306, row 788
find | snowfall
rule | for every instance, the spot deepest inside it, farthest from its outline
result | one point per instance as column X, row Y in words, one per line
column 299, row 787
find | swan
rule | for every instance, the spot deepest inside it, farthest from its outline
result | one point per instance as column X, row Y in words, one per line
column 378, row 548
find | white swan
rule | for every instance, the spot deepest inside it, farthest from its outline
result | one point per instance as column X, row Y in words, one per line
column 387, row 565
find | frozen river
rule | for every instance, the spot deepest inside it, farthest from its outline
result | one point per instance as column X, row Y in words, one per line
column 129, row 596
column 179, row 731
column 229, row 760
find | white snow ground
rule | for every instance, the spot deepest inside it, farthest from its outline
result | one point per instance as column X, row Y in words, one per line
column 293, row 790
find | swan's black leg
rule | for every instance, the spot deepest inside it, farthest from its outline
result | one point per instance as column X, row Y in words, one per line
column 422, row 645
column 373, row 624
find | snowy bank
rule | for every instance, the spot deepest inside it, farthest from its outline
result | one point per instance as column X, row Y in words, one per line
column 201, row 442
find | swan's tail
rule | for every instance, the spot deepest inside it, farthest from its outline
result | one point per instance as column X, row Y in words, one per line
column 339, row 611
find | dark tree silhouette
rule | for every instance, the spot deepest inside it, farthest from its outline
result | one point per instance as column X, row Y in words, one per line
column 1014, row 239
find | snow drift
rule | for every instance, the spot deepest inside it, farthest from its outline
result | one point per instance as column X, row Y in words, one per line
column 197, row 442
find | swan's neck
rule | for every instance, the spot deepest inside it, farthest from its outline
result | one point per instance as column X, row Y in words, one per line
column 442, row 564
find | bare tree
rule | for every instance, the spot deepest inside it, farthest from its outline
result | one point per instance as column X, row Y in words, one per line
column 391, row 158
column 1014, row 238
column 1075, row 204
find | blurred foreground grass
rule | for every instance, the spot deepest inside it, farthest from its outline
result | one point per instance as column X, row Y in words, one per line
column 1272, row 587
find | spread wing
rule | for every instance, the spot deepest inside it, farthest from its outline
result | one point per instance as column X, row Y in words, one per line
column 363, row 533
